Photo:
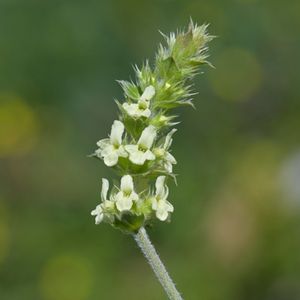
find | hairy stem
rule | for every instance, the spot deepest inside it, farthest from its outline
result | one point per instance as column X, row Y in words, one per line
column 156, row 264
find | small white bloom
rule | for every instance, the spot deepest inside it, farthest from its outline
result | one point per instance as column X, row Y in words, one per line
column 125, row 197
column 141, row 152
column 105, row 205
column 168, row 160
column 137, row 110
column 98, row 212
column 111, row 149
column 159, row 201
column 141, row 109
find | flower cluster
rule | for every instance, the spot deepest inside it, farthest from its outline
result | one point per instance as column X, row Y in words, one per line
column 127, row 200
column 138, row 146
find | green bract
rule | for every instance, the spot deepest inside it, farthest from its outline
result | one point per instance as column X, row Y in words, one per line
column 138, row 147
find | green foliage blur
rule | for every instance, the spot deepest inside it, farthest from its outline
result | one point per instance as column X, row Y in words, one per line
column 235, row 232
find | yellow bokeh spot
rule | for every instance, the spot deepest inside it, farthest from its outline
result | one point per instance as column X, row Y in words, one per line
column 66, row 277
column 247, row 195
column 4, row 232
column 238, row 75
column 255, row 172
column 18, row 126
column 230, row 227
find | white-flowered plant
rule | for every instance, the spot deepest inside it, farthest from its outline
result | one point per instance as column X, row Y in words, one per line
column 139, row 145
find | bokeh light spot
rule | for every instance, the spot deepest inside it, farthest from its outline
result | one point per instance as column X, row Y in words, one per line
column 238, row 75
column 254, row 171
column 66, row 277
column 18, row 126
column 231, row 228
column 4, row 232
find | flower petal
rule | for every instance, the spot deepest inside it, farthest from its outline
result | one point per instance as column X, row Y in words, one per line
column 131, row 109
column 99, row 218
column 170, row 207
column 149, row 155
column 98, row 153
column 168, row 166
column 97, row 210
column 126, row 184
column 131, row 149
column 161, row 214
column 135, row 155
column 170, row 158
column 105, row 187
column 103, row 143
column 111, row 159
column 166, row 194
column 121, row 152
column 107, row 150
column 138, row 158
column 149, row 93
column 160, row 186
column 154, row 203
column 146, row 113
column 147, row 137
column 123, row 203
column 134, row 196
column 163, row 209
column 117, row 131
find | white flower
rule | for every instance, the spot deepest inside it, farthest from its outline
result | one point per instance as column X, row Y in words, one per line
column 125, row 197
column 98, row 212
column 168, row 160
column 141, row 109
column 141, row 152
column 111, row 149
column 105, row 205
column 159, row 201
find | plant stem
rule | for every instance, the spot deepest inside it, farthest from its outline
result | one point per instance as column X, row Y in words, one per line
column 156, row 264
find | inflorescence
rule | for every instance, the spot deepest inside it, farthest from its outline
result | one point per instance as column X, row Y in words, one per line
column 138, row 147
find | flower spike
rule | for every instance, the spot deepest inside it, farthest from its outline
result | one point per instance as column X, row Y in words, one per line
column 139, row 145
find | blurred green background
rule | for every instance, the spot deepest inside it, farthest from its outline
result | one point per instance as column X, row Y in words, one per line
column 235, row 232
